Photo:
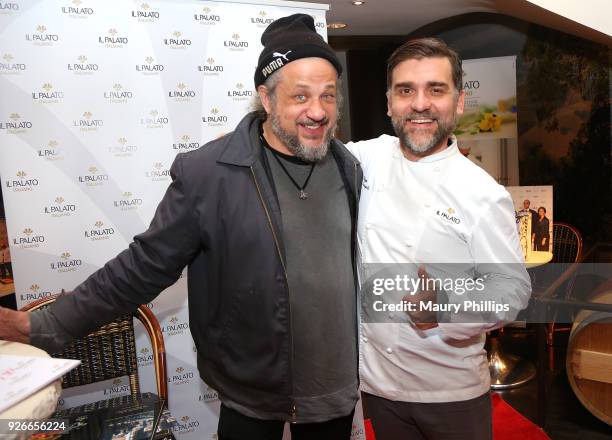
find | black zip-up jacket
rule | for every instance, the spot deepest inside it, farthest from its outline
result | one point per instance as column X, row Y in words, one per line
column 221, row 217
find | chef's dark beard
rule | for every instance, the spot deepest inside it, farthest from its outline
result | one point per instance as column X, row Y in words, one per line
column 444, row 130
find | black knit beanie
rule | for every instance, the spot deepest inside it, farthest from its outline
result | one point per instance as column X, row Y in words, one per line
column 288, row 39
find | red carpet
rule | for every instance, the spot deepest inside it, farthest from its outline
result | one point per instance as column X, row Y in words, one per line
column 508, row 424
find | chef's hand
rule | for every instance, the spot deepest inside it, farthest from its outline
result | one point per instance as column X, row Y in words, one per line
column 423, row 319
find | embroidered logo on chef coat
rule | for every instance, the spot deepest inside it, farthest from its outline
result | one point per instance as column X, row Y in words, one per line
column 448, row 216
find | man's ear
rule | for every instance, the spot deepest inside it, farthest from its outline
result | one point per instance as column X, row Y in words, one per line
column 388, row 103
column 460, row 102
column 262, row 91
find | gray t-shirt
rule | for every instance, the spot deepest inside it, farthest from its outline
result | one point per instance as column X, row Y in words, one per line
column 317, row 237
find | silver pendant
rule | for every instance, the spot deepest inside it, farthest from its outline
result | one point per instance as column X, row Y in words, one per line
column 303, row 194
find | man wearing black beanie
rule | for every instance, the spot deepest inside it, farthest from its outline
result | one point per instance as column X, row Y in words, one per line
column 265, row 220
column 298, row 128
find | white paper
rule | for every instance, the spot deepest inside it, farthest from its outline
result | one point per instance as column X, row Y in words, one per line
column 22, row 376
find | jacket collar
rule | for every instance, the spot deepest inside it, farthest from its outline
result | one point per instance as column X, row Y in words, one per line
column 241, row 147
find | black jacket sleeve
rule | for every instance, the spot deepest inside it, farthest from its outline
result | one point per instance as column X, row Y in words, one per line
column 152, row 262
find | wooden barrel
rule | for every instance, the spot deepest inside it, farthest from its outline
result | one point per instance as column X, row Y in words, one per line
column 589, row 358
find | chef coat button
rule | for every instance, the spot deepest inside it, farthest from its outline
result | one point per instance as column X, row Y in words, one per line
column 389, row 350
column 427, row 205
column 408, row 244
column 365, row 340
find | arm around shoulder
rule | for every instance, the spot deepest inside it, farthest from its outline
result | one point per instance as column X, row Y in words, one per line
column 369, row 150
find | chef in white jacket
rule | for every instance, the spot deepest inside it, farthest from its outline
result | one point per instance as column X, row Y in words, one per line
column 423, row 203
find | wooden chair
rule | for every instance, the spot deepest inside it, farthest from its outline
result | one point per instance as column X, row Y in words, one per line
column 567, row 249
column 567, row 243
column 110, row 351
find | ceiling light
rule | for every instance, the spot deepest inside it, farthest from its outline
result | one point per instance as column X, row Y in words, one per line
column 358, row 2
column 336, row 25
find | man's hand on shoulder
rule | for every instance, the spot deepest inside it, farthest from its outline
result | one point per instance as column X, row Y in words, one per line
column 14, row 326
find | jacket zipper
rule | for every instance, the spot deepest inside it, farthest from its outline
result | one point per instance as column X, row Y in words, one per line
column 292, row 409
column 356, row 276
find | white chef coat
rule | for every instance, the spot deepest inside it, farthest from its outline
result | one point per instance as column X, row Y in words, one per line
column 401, row 221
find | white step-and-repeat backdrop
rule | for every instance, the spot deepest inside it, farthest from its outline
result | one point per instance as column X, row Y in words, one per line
column 97, row 98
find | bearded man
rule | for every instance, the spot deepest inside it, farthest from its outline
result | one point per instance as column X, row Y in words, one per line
column 265, row 220
column 425, row 375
